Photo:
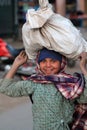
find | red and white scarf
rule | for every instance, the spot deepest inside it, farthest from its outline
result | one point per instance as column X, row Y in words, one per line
column 70, row 86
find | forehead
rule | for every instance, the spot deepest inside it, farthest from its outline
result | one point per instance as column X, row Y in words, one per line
column 50, row 59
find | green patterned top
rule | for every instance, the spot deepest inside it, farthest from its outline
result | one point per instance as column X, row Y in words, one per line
column 51, row 111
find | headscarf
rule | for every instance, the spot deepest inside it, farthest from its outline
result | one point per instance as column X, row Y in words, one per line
column 70, row 86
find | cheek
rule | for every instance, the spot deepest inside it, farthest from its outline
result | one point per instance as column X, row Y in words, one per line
column 41, row 66
column 57, row 66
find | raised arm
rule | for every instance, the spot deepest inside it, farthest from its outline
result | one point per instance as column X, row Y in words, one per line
column 10, row 87
column 19, row 60
column 83, row 62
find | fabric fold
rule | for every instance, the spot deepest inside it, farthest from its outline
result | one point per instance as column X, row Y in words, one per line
column 44, row 28
column 36, row 19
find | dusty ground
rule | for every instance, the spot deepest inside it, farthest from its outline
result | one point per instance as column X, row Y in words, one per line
column 7, row 102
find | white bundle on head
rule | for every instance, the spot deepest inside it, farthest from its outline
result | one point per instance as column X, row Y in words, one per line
column 44, row 28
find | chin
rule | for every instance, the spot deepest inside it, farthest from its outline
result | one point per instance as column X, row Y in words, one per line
column 49, row 73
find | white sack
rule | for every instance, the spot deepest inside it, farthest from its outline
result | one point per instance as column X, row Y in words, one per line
column 53, row 31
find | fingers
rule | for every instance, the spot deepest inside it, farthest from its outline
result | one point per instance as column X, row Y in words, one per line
column 83, row 59
column 83, row 55
column 23, row 54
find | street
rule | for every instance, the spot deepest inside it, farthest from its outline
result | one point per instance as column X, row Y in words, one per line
column 17, row 118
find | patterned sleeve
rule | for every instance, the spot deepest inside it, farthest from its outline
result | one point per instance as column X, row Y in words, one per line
column 83, row 97
column 16, row 88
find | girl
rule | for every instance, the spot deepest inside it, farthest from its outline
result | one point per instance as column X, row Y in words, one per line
column 53, row 91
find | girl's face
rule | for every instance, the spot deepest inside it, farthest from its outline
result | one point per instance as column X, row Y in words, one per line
column 50, row 66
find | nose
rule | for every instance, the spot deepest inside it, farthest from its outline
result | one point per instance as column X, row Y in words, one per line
column 48, row 63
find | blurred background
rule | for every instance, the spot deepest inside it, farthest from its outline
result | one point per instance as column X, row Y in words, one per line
column 12, row 14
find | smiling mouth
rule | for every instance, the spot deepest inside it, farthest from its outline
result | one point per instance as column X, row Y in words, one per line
column 49, row 71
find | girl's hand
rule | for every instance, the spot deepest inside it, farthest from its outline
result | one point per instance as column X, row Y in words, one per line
column 20, row 59
column 83, row 62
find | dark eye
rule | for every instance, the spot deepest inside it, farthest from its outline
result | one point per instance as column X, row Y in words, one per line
column 53, row 60
column 43, row 61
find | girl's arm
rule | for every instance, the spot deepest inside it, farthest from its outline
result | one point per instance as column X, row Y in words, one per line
column 19, row 60
column 13, row 88
column 83, row 62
